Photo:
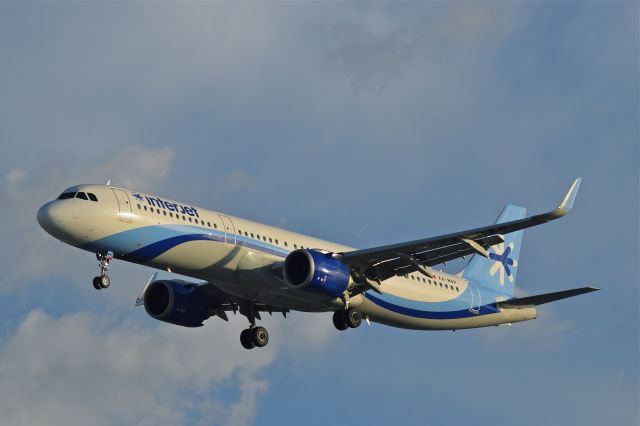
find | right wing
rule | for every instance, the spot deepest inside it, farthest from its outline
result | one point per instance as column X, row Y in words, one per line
column 381, row 263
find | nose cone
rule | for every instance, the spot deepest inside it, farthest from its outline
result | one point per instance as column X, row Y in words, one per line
column 49, row 218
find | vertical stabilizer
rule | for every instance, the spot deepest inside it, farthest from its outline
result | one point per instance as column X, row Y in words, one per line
column 500, row 269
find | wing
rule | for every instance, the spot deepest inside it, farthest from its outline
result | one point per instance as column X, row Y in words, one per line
column 220, row 302
column 381, row 263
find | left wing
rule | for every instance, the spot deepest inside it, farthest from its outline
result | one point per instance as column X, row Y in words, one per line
column 220, row 302
column 381, row 263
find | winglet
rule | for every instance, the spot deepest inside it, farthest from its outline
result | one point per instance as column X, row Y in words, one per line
column 567, row 204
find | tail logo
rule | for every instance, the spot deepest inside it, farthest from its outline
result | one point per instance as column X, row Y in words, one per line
column 503, row 261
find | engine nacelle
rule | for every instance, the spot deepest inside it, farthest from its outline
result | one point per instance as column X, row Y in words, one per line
column 313, row 270
column 177, row 302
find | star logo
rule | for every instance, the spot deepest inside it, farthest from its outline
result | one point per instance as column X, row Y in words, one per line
column 138, row 197
column 503, row 261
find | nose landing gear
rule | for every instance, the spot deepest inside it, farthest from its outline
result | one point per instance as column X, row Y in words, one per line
column 103, row 281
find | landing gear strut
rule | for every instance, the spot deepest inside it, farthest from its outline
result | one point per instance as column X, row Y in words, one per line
column 103, row 281
column 349, row 318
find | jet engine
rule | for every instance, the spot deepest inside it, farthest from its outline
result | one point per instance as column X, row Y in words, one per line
column 313, row 270
column 177, row 302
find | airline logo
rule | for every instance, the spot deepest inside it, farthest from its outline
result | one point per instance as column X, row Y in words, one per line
column 166, row 205
column 503, row 261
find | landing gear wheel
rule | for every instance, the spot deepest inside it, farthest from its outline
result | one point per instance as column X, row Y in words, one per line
column 96, row 283
column 246, row 340
column 340, row 320
column 105, row 282
column 353, row 318
column 260, row 336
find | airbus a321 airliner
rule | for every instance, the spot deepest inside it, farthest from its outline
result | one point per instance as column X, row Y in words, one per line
column 252, row 268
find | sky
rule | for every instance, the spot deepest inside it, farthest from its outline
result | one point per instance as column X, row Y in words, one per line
column 362, row 123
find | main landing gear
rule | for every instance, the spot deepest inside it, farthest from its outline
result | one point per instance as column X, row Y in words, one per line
column 254, row 336
column 103, row 281
column 349, row 318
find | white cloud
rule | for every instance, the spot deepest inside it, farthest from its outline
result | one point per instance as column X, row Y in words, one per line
column 134, row 166
column 234, row 182
column 87, row 369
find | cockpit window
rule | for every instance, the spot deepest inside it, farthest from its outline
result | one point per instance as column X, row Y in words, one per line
column 92, row 197
column 66, row 195
column 82, row 196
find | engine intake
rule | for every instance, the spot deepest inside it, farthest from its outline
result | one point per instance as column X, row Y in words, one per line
column 313, row 270
column 176, row 302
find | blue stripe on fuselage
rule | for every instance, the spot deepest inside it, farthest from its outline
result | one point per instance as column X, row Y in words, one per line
column 145, row 243
column 418, row 313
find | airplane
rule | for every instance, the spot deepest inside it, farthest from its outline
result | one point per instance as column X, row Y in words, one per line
column 253, row 269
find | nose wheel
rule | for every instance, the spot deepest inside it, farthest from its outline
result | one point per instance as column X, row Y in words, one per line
column 103, row 281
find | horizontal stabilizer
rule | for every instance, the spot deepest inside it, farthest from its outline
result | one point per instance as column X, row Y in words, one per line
column 531, row 301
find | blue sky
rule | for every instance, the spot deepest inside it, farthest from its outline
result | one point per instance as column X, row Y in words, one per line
column 361, row 123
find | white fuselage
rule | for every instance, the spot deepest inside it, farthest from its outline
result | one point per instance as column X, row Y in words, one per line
column 241, row 258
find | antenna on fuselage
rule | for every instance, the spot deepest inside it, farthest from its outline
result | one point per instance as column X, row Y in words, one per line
column 109, row 182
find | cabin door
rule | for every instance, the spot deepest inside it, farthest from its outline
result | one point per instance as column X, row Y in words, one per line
column 229, row 230
column 476, row 299
column 124, row 204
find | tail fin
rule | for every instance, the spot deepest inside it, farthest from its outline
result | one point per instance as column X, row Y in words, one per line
column 500, row 269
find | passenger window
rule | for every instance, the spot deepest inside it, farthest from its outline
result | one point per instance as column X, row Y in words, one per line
column 209, row 224
column 246, row 234
column 151, row 209
column 184, row 218
column 189, row 218
column 82, row 196
column 264, row 238
column 285, row 244
column 66, row 195
column 270, row 240
column 295, row 246
column 239, row 232
column 145, row 208
column 170, row 214
column 215, row 226
column 277, row 242
column 139, row 207
column 164, row 212
column 92, row 197
column 252, row 235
